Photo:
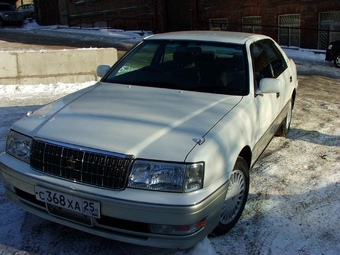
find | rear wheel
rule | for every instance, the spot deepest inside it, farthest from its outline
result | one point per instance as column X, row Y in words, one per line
column 285, row 126
column 337, row 60
column 235, row 199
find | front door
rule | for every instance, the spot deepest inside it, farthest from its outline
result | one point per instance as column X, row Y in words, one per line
column 268, row 63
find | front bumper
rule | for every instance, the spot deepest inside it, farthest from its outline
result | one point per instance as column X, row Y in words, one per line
column 13, row 18
column 329, row 55
column 121, row 220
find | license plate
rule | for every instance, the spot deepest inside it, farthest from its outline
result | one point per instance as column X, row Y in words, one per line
column 69, row 202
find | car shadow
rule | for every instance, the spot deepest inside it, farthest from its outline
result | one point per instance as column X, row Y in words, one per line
column 314, row 136
column 293, row 217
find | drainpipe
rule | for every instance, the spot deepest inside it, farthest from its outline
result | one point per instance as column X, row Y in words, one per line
column 196, row 14
column 155, row 23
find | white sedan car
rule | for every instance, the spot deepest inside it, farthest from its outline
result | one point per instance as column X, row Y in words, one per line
column 158, row 152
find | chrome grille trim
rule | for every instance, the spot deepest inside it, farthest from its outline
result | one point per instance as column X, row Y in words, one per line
column 83, row 165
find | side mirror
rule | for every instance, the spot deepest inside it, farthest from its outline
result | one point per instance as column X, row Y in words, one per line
column 269, row 85
column 102, row 70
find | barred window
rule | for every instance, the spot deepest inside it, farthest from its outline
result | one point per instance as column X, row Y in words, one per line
column 252, row 24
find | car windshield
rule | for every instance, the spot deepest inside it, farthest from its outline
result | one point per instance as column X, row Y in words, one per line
column 6, row 7
column 194, row 66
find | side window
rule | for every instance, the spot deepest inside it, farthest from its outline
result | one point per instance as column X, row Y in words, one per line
column 261, row 63
column 275, row 57
column 139, row 60
column 169, row 51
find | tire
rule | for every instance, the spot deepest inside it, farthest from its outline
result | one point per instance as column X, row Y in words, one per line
column 236, row 198
column 285, row 125
column 337, row 60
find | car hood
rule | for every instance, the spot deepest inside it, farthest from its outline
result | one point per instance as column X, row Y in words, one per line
column 144, row 122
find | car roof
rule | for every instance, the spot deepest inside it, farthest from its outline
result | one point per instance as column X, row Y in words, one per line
column 211, row 36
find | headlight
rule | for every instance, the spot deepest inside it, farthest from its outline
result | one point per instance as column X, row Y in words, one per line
column 18, row 146
column 162, row 176
column 330, row 46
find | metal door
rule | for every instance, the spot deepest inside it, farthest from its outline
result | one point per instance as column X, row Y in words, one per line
column 329, row 28
column 179, row 15
column 289, row 29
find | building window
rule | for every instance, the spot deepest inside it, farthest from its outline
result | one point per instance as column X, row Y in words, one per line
column 329, row 28
column 219, row 24
column 252, row 24
column 289, row 30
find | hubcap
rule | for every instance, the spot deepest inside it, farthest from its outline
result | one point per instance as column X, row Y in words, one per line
column 234, row 198
column 289, row 116
column 337, row 61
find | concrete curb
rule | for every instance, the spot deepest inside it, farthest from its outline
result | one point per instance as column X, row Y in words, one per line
column 52, row 66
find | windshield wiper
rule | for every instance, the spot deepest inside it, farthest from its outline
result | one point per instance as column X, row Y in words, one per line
column 156, row 84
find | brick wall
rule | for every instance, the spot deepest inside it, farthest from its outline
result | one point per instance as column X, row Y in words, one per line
column 269, row 10
column 169, row 15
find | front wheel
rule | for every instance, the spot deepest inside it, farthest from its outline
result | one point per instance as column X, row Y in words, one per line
column 236, row 198
column 337, row 60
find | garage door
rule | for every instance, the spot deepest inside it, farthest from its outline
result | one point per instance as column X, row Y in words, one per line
column 329, row 28
column 289, row 29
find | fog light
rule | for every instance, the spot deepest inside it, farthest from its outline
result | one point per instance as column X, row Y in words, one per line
column 176, row 229
column 7, row 185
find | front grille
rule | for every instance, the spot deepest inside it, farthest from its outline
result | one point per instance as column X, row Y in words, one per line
column 123, row 224
column 79, row 165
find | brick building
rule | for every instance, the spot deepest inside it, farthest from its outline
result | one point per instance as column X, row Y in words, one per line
column 12, row 2
column 301, row 23
column 17, row 3
column 21, row 2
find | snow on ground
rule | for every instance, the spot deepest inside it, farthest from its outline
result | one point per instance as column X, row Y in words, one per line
column 293, row 205
column 116, row 37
